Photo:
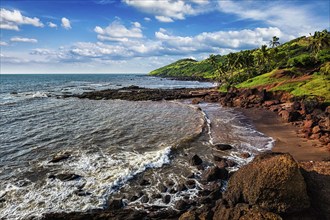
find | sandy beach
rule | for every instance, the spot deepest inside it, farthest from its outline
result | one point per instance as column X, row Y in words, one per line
column 286, row 137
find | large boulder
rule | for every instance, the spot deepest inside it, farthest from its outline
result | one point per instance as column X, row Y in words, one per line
column 317, row 177
column 272, row 181
column 242, row 211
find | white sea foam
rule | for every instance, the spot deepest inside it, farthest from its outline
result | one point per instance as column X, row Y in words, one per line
column 101, row 176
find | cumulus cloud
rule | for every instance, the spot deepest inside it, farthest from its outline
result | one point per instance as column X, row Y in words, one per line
column 52, row 25
column 118, row 32
column 66, row 23
column 11, row 20
column 23, row 40
column 170, row 10
column 147, row 19
column 164, row 19
column 212, row 42
column 2, row 43
column 13, row 59
column 296, row 20
column 164, row 44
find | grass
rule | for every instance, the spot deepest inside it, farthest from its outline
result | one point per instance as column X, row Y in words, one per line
column 318, row 85
column 261, row 80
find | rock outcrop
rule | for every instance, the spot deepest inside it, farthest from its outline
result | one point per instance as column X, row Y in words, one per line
column 272, row 182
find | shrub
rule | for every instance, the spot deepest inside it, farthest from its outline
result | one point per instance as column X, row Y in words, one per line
column 303, row 60
column 323, row 55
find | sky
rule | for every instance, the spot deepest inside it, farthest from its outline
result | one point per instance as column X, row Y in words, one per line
column 137, row 36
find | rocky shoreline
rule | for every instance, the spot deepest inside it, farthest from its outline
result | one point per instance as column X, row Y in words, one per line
column 272, row 186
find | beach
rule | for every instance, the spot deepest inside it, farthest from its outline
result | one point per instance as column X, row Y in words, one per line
column 286, row 136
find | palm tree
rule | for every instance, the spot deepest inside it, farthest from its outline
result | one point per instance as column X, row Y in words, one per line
column 274, row 42
column 319, row 41
column 216, row 65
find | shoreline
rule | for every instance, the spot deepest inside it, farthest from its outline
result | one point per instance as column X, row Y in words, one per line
column 275, row 120
column 298, row 127
column 285, row 136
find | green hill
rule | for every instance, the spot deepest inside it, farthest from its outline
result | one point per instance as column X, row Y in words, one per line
column 187, row 68
column 300, row 66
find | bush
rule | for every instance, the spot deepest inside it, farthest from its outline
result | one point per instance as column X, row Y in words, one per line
column 303, row 60
column 323, row 56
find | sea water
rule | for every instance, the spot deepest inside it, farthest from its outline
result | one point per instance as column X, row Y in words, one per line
column 110, row 142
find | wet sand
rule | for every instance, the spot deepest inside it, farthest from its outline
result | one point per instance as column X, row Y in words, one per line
column 286, row 136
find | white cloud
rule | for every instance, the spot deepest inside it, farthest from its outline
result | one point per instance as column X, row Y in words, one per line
column 118, row 32
column 11, row 20
column 296, row 20
column 170, row 10
column 23, row 40
column 52, row 25
column 2, row 43
column 137, row 24
column 147, row 19
column 164, row 19
column 213, row 41
column 66, row 23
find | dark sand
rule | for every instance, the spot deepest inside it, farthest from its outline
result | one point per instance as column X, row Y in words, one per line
column 286, row 137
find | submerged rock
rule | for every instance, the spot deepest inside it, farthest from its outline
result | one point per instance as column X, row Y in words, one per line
column 166, row 199
column 214, row 173
column 223, row 147
column 144, row 182
column 60, row 157
column 181, row 205
column 195, row 160
column 115, row 204
column 65, row 176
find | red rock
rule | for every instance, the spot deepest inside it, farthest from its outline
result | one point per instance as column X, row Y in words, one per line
column 308, row 124
column 270, row 103
column 275, row 108
column 327, row 110
column 315, row 136
column 196, row 101
column 316, row 129
column 245, row 155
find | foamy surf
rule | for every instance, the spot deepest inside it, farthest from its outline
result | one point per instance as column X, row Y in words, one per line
column 100, row 176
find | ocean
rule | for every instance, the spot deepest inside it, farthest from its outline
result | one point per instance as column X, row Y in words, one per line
column 112, row 144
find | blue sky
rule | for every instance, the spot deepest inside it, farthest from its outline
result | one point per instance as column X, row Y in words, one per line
column 137, row 36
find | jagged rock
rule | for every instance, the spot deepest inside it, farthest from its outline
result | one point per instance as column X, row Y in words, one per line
column 308, row 124
column 214, row 173
column 223, row 147
column 196, row 101
column 181, row 187
column 316, row 129
column 65, row 176
column 317, row 177
column 133, row 198
column 162, row 188
column 144, row 199
column 115, row 204
column 191, row 184
column 245, row 155
column 181, row 205
column 290, row 116
column 60, row 157
column 166, row 199
column 189, row 215
column 195, row 160
column 243, row 212
column 272, row 181
column 144, row 182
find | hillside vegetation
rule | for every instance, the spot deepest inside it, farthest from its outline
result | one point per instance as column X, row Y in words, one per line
column 300, row 66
